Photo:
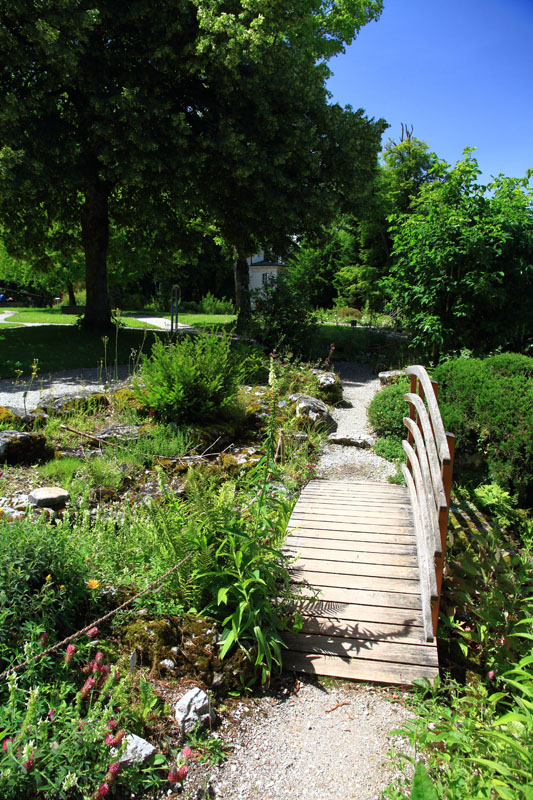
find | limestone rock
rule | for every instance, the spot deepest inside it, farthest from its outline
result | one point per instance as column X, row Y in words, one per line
column 364, row 442
column 23, row 448
column 194, row 708
column 137, row 750
column 392, row 376
column 83, row 399
column 311, row 410
column 330, row 386
column 49, row 497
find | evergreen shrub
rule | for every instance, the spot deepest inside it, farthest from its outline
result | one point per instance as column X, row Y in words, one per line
column 387, row 410
column 192, row 379
column 488, row 405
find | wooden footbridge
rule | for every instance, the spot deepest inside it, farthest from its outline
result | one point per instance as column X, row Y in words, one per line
column 373, row 555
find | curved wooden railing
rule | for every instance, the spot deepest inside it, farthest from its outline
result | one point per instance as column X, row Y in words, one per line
column 428, row 475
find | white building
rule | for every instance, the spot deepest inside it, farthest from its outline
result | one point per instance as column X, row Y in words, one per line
column 262, row 271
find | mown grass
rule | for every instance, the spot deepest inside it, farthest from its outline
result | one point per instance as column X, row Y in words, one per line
column 19, row 347
column 382, row 348
column 53, row 316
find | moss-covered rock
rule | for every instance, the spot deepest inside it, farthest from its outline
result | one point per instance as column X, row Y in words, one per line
column 191, row 644
column 72, row 403
column 24, row 448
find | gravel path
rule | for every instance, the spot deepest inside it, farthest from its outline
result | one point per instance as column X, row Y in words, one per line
column 339, row 462
column 330, row 739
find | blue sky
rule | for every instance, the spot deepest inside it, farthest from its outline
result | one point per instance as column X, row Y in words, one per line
column 459, row 71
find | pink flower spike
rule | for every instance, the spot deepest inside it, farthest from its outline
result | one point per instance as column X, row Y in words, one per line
column 491, row 674
column 51, row 714
column 183, row 772
column 114, row 767
column 110, row 739
column 186, row 753
column 112, row 724
column 99, row 659
column 28, row 764
column 5, row 744
column 102, row 790
column 173, row 774
column 69, row 655
column 92, row 632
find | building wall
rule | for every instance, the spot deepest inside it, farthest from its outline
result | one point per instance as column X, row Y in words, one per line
column 259, row 275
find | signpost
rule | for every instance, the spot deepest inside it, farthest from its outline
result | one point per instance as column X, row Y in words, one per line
column 175, row 297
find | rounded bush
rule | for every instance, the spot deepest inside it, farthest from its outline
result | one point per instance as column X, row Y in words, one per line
column 388, row 408
column 488, row 404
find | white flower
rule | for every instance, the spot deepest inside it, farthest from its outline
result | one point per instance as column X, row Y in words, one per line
column 70, row 781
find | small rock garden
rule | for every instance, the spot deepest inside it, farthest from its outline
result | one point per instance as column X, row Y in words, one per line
column 142, row 582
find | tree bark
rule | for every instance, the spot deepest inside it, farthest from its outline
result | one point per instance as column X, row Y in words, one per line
column 71, row 295
column 241, row 274
column 95, row 239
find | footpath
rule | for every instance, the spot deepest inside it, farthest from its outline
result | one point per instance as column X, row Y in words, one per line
column 318, row 738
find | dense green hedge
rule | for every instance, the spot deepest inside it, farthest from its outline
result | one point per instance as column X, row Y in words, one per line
column 387, row 410
column 488, row 404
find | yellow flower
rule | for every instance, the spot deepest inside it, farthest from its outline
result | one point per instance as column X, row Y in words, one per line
column 93, row 584
column 62, row 587
column 48, row 578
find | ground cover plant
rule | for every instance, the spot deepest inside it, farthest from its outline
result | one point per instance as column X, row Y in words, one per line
column 138, row 507
column 472, row 728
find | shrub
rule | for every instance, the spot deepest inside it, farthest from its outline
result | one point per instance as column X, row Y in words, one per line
column 43, row 583
column 387, row 410
column 189, row 380
column 282, row 318
column 488, row 404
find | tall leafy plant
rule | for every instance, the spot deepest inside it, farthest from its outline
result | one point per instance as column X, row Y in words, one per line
column 462, row 261
column 191, row 379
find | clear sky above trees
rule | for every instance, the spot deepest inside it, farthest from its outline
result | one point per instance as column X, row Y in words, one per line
column 459, row 71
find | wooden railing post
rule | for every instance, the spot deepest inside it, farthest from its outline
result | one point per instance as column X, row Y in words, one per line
column 444, row 512
column 412, row 411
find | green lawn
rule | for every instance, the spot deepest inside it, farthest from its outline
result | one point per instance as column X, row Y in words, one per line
column 55, row 351
column 207, row 320
column 53, row 316
column 381, row 348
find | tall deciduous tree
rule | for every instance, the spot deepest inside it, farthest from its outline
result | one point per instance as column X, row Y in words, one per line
column 462, row 262
column 101, row 102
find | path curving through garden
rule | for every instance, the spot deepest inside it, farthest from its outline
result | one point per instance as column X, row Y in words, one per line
column 318, row 738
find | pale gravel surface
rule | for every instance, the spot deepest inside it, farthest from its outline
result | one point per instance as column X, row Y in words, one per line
column 327, row 741
column 338, row 462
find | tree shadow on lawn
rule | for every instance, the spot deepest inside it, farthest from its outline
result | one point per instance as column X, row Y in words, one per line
column 57, row 348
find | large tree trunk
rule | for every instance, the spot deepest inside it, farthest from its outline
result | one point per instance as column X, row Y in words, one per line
column 71, row 295
column 241, row 274
column 95, row 239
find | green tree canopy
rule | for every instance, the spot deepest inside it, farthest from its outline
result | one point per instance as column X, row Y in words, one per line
column 126, row 112
column 462, row 262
